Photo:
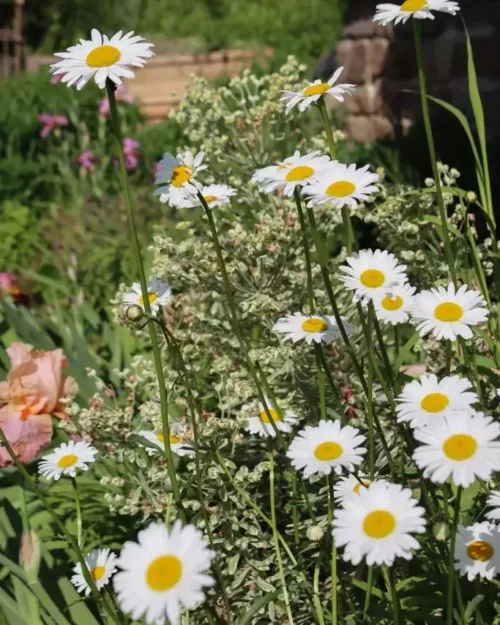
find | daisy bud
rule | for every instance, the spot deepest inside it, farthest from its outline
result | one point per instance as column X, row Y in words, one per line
column 30, row 554
column 134, row 313
column 441, row 531
column 315, row 533
column 471, row 197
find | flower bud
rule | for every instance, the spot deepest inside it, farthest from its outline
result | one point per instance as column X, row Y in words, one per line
column 315, row 533
column 134, row 313
column 441, row 531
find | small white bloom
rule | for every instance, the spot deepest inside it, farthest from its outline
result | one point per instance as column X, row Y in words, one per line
column 419, row 9
column 178, row 174
column 159, row 293
column 372, row 273
column 311, row 328
column 350, row 486
column 294, row 171
column 341, row 185
column 477, row 550
column 213, row 194
column 493, row 501
column 315, row 90
column 327, row 447
column 157, row 440
column 448, row 314
column 66, row 459
column 394, row 307
column 378, row 524
column 462, row 445
column 101, row 566
column 102, row 58
column 163, row 572
column 259, row 422
column 425, row 400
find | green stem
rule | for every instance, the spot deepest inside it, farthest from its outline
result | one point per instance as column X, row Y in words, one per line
column 396, row 607
column 115, row 124
column 451, row 562
column 305, row 242
column 79, row 524
column 331, row 508
column 275, row 537
column 316, row 598
column 321, row 381
column 368, row 594
column 432, row 148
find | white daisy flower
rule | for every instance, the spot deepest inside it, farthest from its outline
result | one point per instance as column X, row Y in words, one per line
column 311, row 328
column 259, row 422
column 327, row 447
column 493, row 501
column 462, row 445
column 159, row 293
column 315, row 90
column 372, row 274
column 178, row 174
column 351, row 485
column 477, row 550
column 448, row 314
column 102, row 58
column 378, row 524
column 217, row 194
column 419, row 9
column 341, row 185
column 425, row 400
column 163, row 572
column 294, row 171
column 177, row 444
column 394, row 307
column 101, row 566
column 66, row 459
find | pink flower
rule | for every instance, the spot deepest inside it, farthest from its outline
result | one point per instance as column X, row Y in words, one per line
column 131, row 151
column 86, row 159
column 32, row 394
column 50, row 122
column 121, row 95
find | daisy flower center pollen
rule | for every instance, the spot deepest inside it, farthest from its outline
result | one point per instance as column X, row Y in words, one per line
column 460, row 447
column 210, row 198
column 356, row 487
column 181, row 175
column 97, row 573
column 372, row 278
column 296, row 174
column 174, row 439
column 448, row 311
column 328, row 450
column 103, row 56
column 434, row 402
column 480, row 551
column 152, row 297
column 314, row 325
column 341, row 188
column 379, row 524
column 274, row 414
column 67, row 461
column 164, row 573
column 319, row 89
column 413, row 5
column 392, row 303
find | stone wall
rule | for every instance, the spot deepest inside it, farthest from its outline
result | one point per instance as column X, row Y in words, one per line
column 381, row 60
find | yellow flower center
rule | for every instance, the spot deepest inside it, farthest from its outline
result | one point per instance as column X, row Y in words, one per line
column 372, row 278
column 341, row 188
column 152, row 297
column 164, row 573
column 103, row 56
column 328, row 451
column 299, row 173
column 67, row 461
column 318, row 89
column 392, row 303
column 379, row 524
column 174, row 439
column 314, row 325
column 434, row 402
column 460, row 447
column 97, row 573
column 413, row 5
column 274, row 415
column 448, row 311
column 181, row 175
column 356, row 487
column 210, row 198
column 480, row 551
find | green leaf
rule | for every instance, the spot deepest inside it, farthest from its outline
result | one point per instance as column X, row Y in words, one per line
column 405, row 351
column 254, row 608
column 265, row 586
column 437, row 221
column 77, row 608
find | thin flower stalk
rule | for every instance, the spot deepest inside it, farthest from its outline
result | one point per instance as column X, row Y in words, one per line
column 451, row 562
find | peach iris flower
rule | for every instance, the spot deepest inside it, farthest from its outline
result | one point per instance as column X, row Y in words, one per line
column 30, row 397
